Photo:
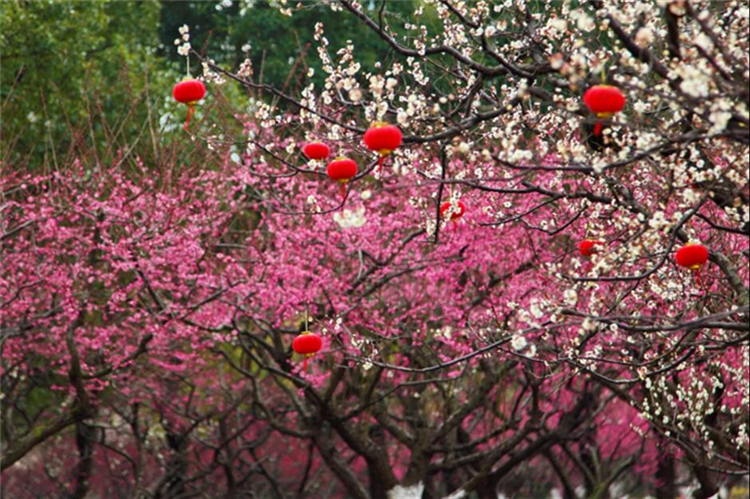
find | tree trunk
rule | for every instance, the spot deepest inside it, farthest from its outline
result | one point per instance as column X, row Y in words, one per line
column 378, row 489
column 85, row 443
column 487, row 489
column 665, row 477
column 174, row 483
column 708, row 487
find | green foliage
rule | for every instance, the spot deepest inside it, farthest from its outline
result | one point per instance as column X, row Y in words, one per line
column 86, row 78
column 64, row 62
column 273, row 40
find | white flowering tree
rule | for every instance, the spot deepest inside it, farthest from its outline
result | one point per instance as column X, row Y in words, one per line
column 489, row 97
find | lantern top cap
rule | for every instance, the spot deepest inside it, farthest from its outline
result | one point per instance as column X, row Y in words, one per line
column 379, row 124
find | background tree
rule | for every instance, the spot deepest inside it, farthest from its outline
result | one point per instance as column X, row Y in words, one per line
column 71, row 70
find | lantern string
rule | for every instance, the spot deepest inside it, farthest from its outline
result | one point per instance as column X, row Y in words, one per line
column 598, row 125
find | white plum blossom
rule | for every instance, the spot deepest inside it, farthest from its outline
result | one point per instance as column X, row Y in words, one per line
column 349, row 218
column 557, row 24
column 518, row 342
column 644, row 37
column 183, row 43
column 583, row 20
column 571, row 297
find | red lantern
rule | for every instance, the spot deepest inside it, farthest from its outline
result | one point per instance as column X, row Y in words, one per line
column 316, row 150
column 189, row 92
column 383, row 139
column 604, row 101
column 457, row 210
column 692, row 256
column 307, row 344
column 588, row 247
column 342, row 170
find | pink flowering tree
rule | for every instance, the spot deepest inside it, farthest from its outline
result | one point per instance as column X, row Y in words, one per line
column 148, row 319
column 98, row 269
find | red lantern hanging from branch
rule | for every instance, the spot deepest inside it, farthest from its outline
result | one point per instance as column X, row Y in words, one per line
column 383, row 139
column 342, row 170
column 456, row 210
column 692, row 256
column 307, row 344
column 316, row 150
column 604, row 101
column 588, row 247
column 189, row 92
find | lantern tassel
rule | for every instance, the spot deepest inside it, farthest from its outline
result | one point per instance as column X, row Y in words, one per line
column 598, row 129
column 304, row 363
column 190, row 112
column 381, row 160
column 343, row 191
column 697, row 274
